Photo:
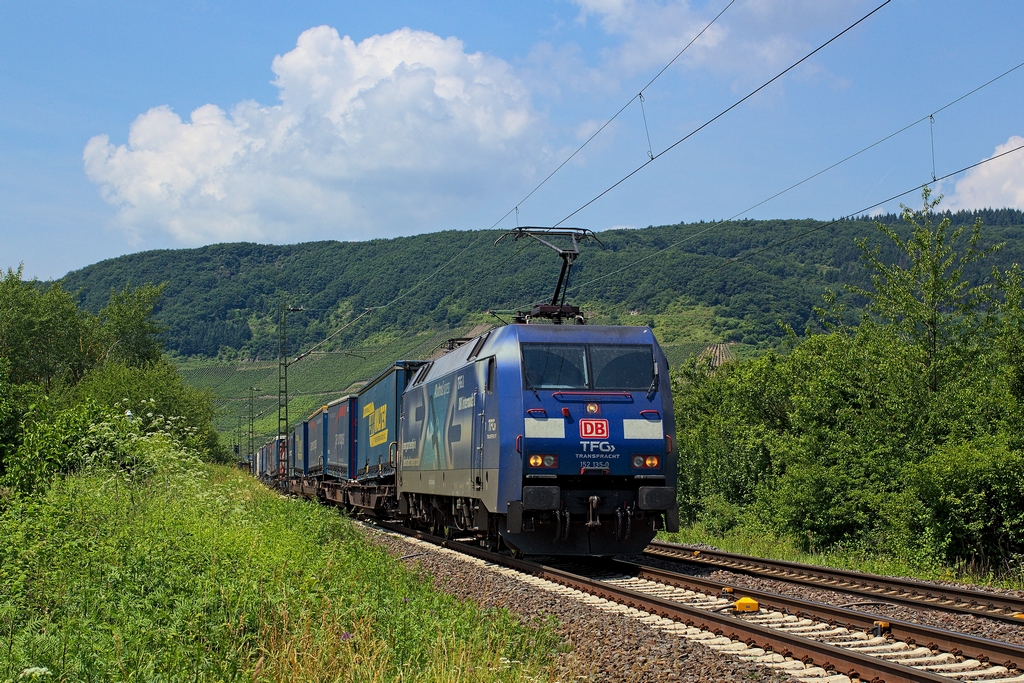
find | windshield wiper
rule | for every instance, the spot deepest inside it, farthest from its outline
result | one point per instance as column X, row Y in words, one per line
column 529, row 385
column 653, row 389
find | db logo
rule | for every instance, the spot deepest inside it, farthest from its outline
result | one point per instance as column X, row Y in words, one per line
column 593, row 429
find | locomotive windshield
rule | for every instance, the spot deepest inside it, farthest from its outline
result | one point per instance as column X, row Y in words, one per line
column 555, row 366
column 622, row 367
column 588, row 366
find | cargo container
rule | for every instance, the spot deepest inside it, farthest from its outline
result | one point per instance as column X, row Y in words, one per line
column 316, row 452
column 268, row 459
column 301, row 449
column 379, row 405
column 341, row 431
column 279, row 457
column 291, row 454
column 260, row 469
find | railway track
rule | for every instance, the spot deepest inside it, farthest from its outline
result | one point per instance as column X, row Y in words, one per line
column 897, row 591
column 811, row 641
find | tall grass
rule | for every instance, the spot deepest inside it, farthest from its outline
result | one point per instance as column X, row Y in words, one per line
column 198, row 573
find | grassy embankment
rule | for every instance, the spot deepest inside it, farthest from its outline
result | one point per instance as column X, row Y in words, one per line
column 197, row 572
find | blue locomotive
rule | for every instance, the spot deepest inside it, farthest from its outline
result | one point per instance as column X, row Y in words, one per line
column 552, row 439
column 555, row 438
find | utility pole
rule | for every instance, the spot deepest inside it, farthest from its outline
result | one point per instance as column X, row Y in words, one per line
column 252, row 435
column 282, row 372
column 238, row 439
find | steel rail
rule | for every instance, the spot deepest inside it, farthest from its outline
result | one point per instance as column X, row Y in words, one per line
column 907, row 592
column 853, row 664
column 984, row 650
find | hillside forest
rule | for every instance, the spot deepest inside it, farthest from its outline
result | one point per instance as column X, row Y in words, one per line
column 696, row 283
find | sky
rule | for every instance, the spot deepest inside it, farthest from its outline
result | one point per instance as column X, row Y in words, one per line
column 127, row 126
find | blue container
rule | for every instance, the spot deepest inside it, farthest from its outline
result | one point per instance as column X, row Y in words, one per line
column 341, row 437
column 263, row 460
column 291, row 453
column 377, row 422
column 316, row 452
column 301, row 449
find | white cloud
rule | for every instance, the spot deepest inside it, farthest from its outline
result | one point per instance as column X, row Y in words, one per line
column 395, row 134
column 998, row 184
column 752, row 38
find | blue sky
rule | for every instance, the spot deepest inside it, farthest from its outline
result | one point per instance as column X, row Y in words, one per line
column 127, row 126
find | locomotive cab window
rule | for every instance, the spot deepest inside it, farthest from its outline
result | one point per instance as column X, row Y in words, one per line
column 622, row 367
column 555, row 366
column 601, row 367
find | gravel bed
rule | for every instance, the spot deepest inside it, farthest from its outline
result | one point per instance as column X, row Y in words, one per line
column 605, row 646
column 963, row 623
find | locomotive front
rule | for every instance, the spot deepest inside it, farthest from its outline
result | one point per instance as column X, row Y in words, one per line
column 593, row 451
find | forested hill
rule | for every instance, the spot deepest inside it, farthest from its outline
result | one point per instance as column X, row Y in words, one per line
column 224, row 298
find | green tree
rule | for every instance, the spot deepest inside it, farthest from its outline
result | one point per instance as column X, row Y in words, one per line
column 43, row 335
column 131, row 335
column 928, row 298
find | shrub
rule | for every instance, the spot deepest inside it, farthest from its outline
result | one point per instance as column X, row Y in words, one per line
column 55, row 443
column 153, row 390
column 974, row 495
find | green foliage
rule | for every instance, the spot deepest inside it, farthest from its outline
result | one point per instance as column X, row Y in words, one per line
column 56, row 442
column 43, row 335
column 64, row 372
column 156, row 389
column 105, row 579
column 928, row 298
column 974, row 497
column 132, row 336
column 900, row 434
column 9, row 414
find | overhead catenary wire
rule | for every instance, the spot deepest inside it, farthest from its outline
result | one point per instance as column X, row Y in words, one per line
column 725, row 111
column 651, row 159
column 716, row 224
column 332, row 335
column 516, row 207
column 614, row 116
